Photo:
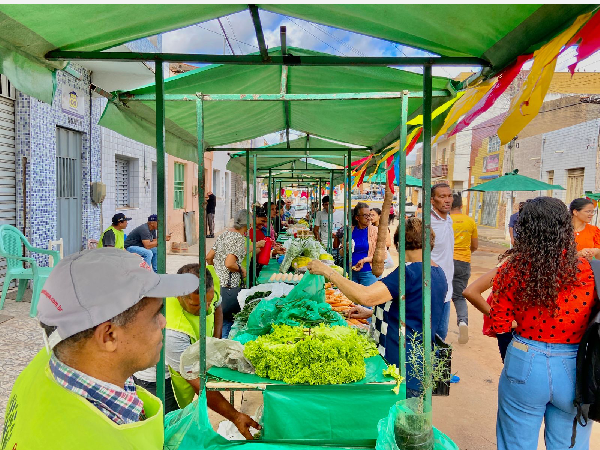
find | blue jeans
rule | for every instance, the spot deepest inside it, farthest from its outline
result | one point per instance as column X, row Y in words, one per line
column 149, row 255
column 366, row 277
column 538, row 383
column 227, row 324
column 442, row 330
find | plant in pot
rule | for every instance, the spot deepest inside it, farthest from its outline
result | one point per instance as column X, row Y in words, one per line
column 413, row 428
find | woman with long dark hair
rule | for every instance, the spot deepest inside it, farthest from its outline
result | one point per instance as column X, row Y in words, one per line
column 549, row 291
column 587, row 236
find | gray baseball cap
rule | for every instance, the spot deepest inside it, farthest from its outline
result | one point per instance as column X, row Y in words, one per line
column 93, row 286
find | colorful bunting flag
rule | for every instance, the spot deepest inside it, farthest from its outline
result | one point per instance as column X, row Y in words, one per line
column 526, row 106
column 590, row 41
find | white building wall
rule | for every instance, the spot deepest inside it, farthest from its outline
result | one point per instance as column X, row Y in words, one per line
column 571, row 148
column 462, row 157
column 141, row 159
column 222, row 190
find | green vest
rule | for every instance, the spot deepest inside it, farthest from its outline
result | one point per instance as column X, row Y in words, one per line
column 119, row 238
column 41, row 414
column 180, row 320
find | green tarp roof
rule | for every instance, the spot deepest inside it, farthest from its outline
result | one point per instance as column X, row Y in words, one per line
column 497, row 33
column 514, row 182
column 359, row 122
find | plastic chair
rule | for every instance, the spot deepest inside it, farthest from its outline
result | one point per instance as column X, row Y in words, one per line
column 11, row 248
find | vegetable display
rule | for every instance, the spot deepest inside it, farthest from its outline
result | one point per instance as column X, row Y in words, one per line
column 301, row 247
column 320, row 355
column 251, row 302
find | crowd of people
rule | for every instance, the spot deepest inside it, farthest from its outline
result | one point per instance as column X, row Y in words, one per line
column 103, row 339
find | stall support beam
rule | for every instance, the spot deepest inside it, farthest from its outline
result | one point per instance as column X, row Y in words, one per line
column 254, row 202
column 402, row 234
column 426, row 202
column 269, row 206
column 345, row 222
column 201, row 241
column 161, row 210
column 247, row 217
column 330, row 224
column 348, row 213
column 260, row 37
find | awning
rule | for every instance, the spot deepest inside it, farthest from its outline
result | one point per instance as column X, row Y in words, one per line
column 495, row 33
column 357, row 122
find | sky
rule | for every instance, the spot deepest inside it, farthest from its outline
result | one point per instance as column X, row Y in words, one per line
column 208, row 38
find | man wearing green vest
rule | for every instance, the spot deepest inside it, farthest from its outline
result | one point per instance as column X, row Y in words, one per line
column 101, row 314
column 183, row 329
column 114, row 236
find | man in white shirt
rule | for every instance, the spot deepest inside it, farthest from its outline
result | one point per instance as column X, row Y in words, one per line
column 321, row 229
column 443, row 250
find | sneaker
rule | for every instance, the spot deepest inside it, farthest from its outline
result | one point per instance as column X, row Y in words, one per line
column 463, row 333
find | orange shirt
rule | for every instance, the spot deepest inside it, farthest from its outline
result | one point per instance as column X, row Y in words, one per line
column 575, row 306
column 589, row 237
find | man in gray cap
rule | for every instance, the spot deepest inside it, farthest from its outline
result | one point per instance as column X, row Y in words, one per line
column 78, row 392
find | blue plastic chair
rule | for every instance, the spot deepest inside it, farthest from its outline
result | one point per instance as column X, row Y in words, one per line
column 11, row 248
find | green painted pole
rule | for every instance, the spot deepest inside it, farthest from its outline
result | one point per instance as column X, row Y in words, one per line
column 349, row 213
column 201, row 241
column 402, row 235
column 345, row 238
column 161, row 211
column 247, row 217
column 330, row 224
column 426, row 202
column 254, row 224
column 269, row 206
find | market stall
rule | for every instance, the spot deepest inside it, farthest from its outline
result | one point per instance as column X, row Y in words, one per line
column 343, row 98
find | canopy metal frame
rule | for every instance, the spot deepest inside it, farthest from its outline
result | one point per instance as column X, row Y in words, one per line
column 288, row 60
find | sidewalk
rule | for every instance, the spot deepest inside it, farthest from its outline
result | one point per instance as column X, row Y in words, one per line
column 495, row 235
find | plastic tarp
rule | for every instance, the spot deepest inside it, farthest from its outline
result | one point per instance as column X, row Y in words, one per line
column 29, row 32
column 358, row 122
column 497, row 33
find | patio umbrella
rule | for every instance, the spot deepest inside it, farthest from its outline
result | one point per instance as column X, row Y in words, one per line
column 512, row 181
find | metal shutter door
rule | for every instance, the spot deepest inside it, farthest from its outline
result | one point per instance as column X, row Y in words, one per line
column 8, row 201
column 121, row 182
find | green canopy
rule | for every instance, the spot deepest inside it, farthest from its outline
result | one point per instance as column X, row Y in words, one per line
column 592, row 195
column 359, row 122
column 381, row 177
column 514, row 182
column 495, row 33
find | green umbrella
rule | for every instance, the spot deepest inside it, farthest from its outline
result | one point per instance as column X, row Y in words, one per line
column 512, row 181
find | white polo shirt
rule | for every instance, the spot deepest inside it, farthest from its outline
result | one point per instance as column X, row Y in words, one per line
column 443, row 249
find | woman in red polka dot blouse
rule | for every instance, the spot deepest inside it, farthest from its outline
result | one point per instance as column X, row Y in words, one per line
column 549, row 291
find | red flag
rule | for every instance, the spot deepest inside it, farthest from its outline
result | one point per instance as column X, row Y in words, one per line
column 360, row 161
column 504, row 79
column 390, row 173
column 412, row 144
column 590, row 41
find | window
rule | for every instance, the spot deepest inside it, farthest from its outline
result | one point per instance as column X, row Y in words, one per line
column 550, row 181
column 444, row 156
column 494, row 144
column 216, row 182
column 178, row 183
column 122, row 199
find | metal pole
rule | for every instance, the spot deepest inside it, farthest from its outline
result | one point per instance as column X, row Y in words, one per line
column 348, row 213
column 320, row 195
column 269, row 206
column 161, row 211
column 345, row 222
column 427, row 87
column 254, row 225
column 201, row 241
column 402, row 235
column 247, row 217
column 330, row 224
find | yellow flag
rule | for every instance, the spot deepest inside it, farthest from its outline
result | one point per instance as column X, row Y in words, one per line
column 395, row 149
column 288, row 193
column 526, row 106
column 439, row 110
column 470, row 98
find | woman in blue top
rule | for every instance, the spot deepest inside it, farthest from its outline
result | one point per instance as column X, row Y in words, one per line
column 384, row 295
column 364, row 240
